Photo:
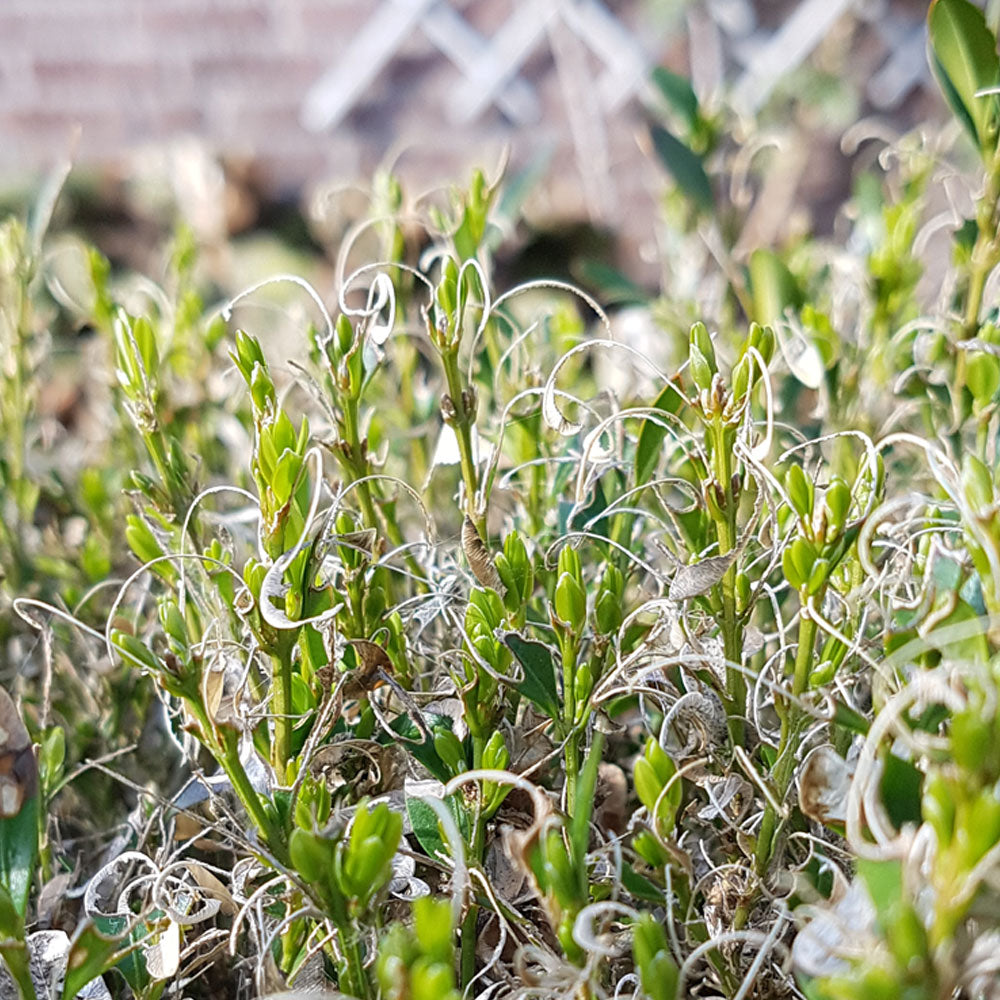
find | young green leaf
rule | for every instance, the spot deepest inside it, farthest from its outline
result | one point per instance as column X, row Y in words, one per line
column 772, row 286
column 658, row 971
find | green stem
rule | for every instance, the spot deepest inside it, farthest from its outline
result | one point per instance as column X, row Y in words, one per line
column 467, row 960
column 984, row 252
column 736, row 692
column 352, row 976
column 462, row 423
column 15, row 956
column 281, row 709
column 226, row 751
column 358, row 465
column 571, row 752
column 984, row 257
column 792, row 723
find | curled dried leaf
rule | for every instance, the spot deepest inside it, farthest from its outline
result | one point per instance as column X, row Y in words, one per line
column 700, row 577
column 212, row 686
column 213, row 887
column 375, row 666
column 713, row 652
column 803, row 359
column 363, row 541
column 699, row 719
column 362, row 767
column 451, row 708
column 553, row 416
column 163, row 958
column 837, row 931
column 480, row 560
column 507, row 877
column 52, row 896
column 373, row 657
column 404, row 883
column 729, row 796
column 48, row 955
column 824, row 784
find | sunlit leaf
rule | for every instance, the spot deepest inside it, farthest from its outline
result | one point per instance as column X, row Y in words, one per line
column 686, row 166
column 964, row 59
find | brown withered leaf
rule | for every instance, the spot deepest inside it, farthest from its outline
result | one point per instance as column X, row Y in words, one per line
column 479, row 558
column 611, row 798
column 52, row 896
column 700, row 577
column 373, row 656
column 374, row 663
column 18, row 767
column 363, row 540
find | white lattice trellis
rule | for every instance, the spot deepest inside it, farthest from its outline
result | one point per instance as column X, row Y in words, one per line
column 489, row 67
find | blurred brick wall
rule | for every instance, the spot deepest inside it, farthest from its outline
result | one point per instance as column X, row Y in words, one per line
column 136, row 74
column 130, row 72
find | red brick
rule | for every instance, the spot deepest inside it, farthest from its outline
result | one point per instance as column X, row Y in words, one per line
column 332, row 20
column 119, row 87
column 85, row 29
column 256, row 72
column 209, row 30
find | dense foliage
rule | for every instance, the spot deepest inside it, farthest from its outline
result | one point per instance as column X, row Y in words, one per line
column 457, row 642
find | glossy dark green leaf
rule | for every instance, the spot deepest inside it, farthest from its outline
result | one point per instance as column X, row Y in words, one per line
column 424, row 752
column 19, row 852
column 849, row 719
column 961, row 635
column 583, row 518
column 539, row 682
column 972, row 593
column 964, row 59
column 131, row 964
column 424, row 822
column 640, row 886
column 685, row 166
column 13, row 947
column 19, row 806
column 11, row 922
